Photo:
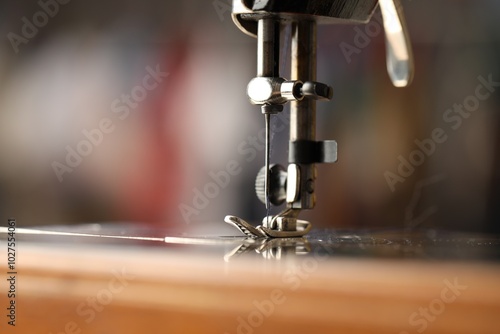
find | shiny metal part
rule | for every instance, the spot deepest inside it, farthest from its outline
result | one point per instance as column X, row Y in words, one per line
column 264, row 86
column 244, row 227
column 400, row 64
column 286, row 225
column 292, row 90
column 262, row 90
column 271, row 108
column 264, row 19
column 280, row 223
column 302, row 227
column 316, row 90
column 268, row 48
column 268, row 156
column 293, row 183
column 271, row 249
column 303, row 113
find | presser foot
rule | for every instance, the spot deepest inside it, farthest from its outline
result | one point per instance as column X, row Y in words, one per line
column 273, row 227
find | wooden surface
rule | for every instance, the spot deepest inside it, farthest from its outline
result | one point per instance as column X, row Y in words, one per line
column 174, row 291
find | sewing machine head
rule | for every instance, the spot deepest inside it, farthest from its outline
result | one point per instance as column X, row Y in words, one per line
column 266, row 20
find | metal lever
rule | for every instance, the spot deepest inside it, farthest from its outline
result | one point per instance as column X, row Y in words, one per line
column 400, row 64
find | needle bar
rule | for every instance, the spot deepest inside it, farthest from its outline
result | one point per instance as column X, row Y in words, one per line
column 267, row 158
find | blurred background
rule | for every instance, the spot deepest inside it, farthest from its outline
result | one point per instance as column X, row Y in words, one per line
column 61, row 77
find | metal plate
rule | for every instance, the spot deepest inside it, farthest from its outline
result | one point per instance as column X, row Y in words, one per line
column 425, row 244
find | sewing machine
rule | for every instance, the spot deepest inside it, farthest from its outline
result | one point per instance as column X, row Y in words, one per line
column 134, row 278
column 266, row 20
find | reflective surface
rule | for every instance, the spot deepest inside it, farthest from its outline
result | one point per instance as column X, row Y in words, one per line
column 330, row 281
column 425, row 244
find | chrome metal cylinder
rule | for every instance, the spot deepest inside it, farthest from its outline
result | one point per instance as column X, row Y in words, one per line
column 268, row 48
column 303, row 113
